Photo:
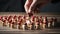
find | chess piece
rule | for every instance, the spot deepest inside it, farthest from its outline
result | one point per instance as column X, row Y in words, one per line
column 44, row 22
column 32, row 27
column 1, row 20
column 41, row 22
column 32, row 23
column 4, row 21
column 36, row 20
column 14, row 24
column 19, row 22
column 49, row 23
column 15, row 21
column 28, row 21
column 19, row 25
column 10, row 20
column 54, row 22
column 37, row 25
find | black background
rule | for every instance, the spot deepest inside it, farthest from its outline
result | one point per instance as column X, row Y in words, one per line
column 18, row 6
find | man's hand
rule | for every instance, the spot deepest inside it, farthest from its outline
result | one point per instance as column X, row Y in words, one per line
column 31, row 5
column 27, row 5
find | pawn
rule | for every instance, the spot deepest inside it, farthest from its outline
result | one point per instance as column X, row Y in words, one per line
column 19, row 25
column 1, row 20
column 49, row 23
column 12, row 25
column 45, row 22
column 32, row 26
column 9, row 21
column 37, row 26
column 54, row 22
column 4, row 22
column 41, row 22
column 19, row 22
column 24, row 26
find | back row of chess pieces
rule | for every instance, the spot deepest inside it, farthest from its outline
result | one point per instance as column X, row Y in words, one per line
column 27, row 23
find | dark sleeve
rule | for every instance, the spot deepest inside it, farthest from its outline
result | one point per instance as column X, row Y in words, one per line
column 51, row 7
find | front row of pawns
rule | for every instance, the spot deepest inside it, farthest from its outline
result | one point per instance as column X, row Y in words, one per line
column 27, row 23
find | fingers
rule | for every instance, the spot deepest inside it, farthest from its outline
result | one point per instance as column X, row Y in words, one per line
column 32, row 6
column 27, row 5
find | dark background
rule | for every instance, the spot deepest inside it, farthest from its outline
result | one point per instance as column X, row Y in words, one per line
column 18, row 6
column 12, row 5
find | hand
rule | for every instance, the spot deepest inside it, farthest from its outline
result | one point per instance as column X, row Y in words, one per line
column 30, row 5
column 27, row 5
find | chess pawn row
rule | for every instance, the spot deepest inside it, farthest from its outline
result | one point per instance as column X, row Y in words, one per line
column 43, row 22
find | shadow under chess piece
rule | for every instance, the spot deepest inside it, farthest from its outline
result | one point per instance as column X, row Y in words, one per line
column 32, row 26
column 49, row 24
column 10, row 21
column 24, row 26
column 4, row 23
column 41, row 25
column 14, row 25
column 44, row 26
column 19, row 25
column 37, row 27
